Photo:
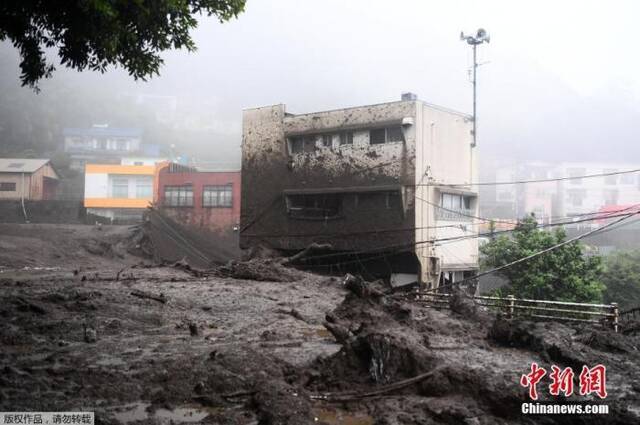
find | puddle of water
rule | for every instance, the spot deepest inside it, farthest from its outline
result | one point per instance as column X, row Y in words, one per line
column 111, row 361
column 181, row 414
column 138, row 412
column 131, row 413
column 326, row 416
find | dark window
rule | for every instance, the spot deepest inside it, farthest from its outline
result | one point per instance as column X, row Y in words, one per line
column 321, row 206
column 7, row 187
column 394, row 134
column 327, row 140
column 377, row 136
column 455, row 207
column 346, row 138
column 217, row 196
column 310, row 144
column 297, row 144
column 301, row 144
column 178, row 196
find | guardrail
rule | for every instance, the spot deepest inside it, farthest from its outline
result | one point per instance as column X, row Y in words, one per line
column 632, row 314
column 601, row 314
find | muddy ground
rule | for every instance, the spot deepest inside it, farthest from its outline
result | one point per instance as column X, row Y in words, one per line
column 86, row 325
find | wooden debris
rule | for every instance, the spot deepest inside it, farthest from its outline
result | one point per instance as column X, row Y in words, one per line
column 141, row 294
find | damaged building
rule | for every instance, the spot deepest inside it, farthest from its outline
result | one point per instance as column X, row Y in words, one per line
column 384, row 188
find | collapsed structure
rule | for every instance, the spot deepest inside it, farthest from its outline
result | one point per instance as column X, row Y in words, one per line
column 385, row 186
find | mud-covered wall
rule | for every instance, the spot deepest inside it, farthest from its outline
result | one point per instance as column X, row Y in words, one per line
column 268, row 169
column 49, row 211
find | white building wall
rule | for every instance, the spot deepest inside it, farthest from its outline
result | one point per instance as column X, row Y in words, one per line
column 96, row 186
column 444, row 155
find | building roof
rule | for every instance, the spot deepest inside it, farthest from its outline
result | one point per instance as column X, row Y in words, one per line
column 21, row 165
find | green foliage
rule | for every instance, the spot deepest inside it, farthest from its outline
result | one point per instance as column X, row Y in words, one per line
column 563, row 274
column 93, row 34
column 622, row 278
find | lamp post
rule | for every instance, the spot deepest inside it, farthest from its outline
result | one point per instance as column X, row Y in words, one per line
column 481, row 36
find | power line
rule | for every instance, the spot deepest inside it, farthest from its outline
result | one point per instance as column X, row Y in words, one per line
column 541, row 252
column 555, row 179
column 398, row 247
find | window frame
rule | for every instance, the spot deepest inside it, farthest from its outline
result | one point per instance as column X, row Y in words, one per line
column 117, row 195
column 218, row 190
column 181, row 199
column 3, row 186
column 298, row 206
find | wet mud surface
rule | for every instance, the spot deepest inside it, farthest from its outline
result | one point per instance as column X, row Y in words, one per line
column 143, row 344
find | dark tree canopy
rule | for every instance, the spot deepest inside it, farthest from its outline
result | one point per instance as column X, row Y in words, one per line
column 563, row 274
column 93, row 34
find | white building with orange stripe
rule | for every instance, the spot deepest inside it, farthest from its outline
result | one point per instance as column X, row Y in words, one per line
column 119, row 192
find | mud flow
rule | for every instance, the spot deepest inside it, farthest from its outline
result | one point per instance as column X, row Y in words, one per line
column 88, row 324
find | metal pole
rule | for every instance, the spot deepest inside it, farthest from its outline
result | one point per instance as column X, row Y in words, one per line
column 475, row 67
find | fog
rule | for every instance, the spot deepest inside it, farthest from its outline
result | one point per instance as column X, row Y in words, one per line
column 558, row 81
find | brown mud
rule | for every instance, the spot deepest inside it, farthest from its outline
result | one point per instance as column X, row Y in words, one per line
column 84, row 329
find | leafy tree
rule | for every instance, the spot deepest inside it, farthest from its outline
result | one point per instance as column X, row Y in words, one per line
column 562, row 274
column 93, row 34
column 621, row 277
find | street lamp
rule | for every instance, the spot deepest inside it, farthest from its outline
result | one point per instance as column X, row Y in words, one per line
column 481, row 36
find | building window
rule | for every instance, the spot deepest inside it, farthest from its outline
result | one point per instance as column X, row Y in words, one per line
column 346, row 138
column 377, row 136
column 454, row 206
column 574, row 173
column 611, row 196
column 119, row 187
column 144, row 187
column 7, row 187
column 178, row 196
column 576, row 196
column 327, row 140
column 627, row 178
column 217, row 196
column 317, row 206
column 301, row 144
column 386, row 135
column 610, row 180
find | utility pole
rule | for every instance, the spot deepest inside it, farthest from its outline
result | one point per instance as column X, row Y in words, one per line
column 481, row 36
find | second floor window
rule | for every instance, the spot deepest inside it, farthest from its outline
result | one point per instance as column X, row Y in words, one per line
column 379, row 136
column 217, row 196
column 144, row 187
column 120, row 187
column 178, row 196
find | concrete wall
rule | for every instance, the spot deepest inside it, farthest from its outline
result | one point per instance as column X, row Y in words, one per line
column 268, row 169
column 444, row 155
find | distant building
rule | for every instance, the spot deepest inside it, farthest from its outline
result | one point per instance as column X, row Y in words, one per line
column 567, row 196
column 373, row 182
column 28, row 179
column 118, row 192
column 202, row 199
column 102, row 144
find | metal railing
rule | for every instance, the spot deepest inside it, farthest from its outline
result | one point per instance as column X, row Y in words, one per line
column 510, row 306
